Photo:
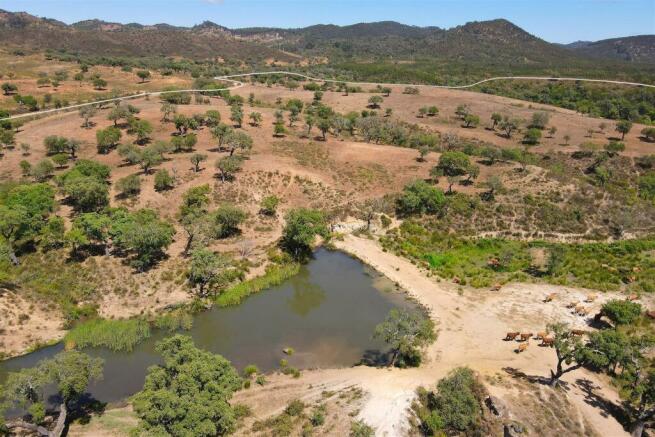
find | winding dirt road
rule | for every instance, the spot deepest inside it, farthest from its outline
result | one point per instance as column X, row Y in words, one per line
column 238, row 84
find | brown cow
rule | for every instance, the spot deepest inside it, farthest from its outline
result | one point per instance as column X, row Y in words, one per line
column 526, row 336
column 547, row 341
column 577, row 332
column 550, row 297
column 582, row 311
column 590, row 298
column 541, row 335
column 512, row 335
column 522, row 347
column 633, row 297
column 572, row 305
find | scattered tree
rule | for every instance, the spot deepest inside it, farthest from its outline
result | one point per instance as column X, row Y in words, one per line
column 255, row 118
column 228, row 166
column 648, row 133
column 60, row 160
column 623, row 127
column 509, row 125
column 236, row 115
column 238, row 140
column 196, row 159
column 496, row 118
column 621, row 312
column 471, row 120
column 107, row 139
column 189, row 393
column 406, row 333
column 301, row 228
column 9, row 88
column 141, row 128
column 374, row 102
column 86, row 113
column 143, row 75
column 419, row 197
column 206, row 270
column 42, row 170
column 227, row 219
column 539, row 120
column 70, row 373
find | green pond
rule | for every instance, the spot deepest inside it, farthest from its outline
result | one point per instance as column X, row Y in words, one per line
column 327, row 314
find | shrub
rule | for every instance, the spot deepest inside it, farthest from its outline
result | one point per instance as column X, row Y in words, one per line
column 532, row 136
column 250, row 370
column 359, row 428
column 648, row 133
column 621, row 312
column 647, row 186
column 43, row 170
column 163, row 180
column 295, row 408
column 227, row 219
column 318, row 415
column 129, row 186
column 269, row 205
column 176, row 98
column 455, row 406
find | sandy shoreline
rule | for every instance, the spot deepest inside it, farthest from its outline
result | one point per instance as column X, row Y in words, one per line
column 471, row 324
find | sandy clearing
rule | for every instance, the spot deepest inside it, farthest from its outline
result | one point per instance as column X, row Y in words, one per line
column 24, row 324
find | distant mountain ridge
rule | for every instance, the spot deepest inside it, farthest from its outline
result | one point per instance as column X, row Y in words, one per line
column 639, row 48
column 495, row 41
column 101, row 38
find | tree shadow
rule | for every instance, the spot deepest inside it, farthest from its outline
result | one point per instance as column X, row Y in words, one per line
column 374, row 358
column 533, row 379
column 607, row 408
column 86, row 251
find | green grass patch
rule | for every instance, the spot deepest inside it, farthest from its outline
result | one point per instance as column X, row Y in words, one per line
column 117, row 335
column 174, row 321
column 628, row 264
column 53, row 279
column 274, row 275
